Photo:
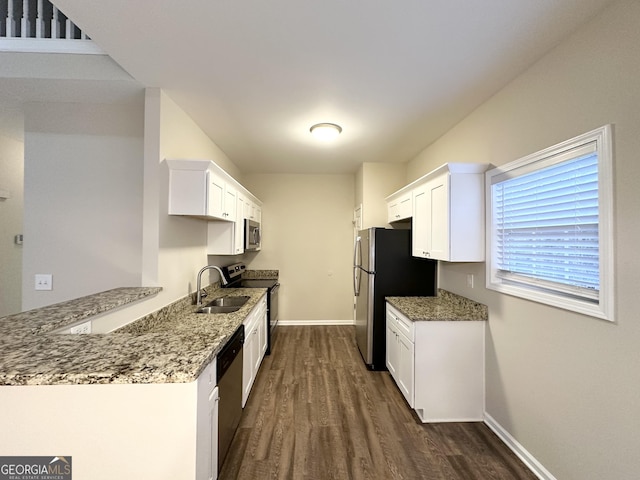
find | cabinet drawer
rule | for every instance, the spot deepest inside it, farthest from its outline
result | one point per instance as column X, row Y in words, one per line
column 402, row 323
column 406, row 327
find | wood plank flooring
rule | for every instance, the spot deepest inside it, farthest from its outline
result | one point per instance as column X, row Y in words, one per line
column 316, row 412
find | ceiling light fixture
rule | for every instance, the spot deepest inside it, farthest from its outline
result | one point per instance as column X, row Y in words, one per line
column 325, row 131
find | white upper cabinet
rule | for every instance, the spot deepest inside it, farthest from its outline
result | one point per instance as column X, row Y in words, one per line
column 252, row 211
column 200, row 188
column 230, row 202
column 448, row 213
column 431, row 219
column 215, row 195
column 419, row 222
column 446, row 207
column 399, row 206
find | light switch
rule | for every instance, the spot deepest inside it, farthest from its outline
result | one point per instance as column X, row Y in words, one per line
column 44, row 281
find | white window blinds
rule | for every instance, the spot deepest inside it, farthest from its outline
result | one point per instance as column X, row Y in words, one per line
column 546, row 224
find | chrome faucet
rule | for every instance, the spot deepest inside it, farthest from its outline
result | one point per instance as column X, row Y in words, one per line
column 199, row 295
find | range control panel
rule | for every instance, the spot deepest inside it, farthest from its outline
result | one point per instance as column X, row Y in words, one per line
column 234, row 271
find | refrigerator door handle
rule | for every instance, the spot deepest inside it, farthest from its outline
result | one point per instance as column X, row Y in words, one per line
column 357, row 252
column 356, row 281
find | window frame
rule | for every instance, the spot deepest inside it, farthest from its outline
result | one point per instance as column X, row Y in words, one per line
column 603, row 308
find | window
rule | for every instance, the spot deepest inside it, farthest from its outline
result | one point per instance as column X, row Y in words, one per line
column 549, row 226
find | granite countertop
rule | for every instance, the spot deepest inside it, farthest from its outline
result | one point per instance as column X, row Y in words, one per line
column 261, row 274
column 446, row 306
column 52, row 317
column 172, row 345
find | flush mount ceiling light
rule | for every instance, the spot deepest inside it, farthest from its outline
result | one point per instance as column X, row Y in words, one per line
column 325, row 131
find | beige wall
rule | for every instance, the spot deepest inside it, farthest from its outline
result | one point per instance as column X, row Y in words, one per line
column 307, row 235
column 82, row 199
column 174, row 247
column 183, row 240
column 11, row 181
column 374, row 182
column 566, row 386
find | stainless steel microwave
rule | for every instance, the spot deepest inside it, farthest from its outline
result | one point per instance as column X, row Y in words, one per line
column 252, row 237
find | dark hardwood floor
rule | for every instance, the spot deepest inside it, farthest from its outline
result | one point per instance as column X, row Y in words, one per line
column 316, row 412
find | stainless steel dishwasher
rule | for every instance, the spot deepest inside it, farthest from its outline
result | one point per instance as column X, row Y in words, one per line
column 229, row 374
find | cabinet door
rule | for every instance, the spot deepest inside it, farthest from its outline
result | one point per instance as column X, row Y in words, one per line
column 392, row 349
column 420, row 223
column 400, row 208
column 438, row 218
column 393, row 208
column 255, row 348
column 391, row 342
column 238, row 237
column 215, row 195
column 230, row 203
column 248, row 373
column 405, row 369
column 212, row 441
column 264, row 326
column 405, row 206
column 207, row 424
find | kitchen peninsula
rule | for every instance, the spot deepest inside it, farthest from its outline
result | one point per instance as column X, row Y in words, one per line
column 129, row 404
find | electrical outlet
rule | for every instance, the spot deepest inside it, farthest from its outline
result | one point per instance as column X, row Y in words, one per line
column 83, row 328
column 44, row 281
column 470, row 280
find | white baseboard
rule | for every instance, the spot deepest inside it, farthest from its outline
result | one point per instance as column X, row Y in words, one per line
column 529, row 460
column 298, row 323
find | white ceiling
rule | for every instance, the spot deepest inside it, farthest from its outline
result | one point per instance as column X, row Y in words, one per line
column 256, row 74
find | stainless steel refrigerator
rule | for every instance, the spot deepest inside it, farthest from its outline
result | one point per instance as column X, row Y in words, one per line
column 383, row 267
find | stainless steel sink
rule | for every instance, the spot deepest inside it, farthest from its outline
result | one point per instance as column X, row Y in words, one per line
column 236, row 301
column 218, row 309
column 224, row 305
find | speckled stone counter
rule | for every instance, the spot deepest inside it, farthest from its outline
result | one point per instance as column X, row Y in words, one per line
column 446, row 306
column 261, row 274
column 53, row 317
column 172, row 345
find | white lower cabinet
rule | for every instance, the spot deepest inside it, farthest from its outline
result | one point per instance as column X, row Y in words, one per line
column 254, row 346
column 400, row 351
column 207, row 425
column 438, row 366
column 406, row 368
column 263, row 327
